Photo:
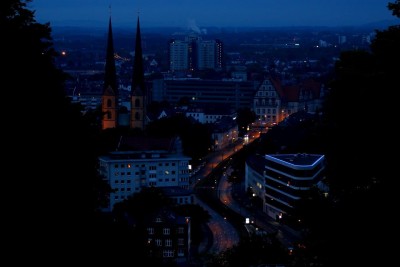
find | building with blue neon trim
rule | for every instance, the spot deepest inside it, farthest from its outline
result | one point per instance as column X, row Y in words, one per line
column 281, row 180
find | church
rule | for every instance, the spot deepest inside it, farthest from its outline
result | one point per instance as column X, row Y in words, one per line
column 138, row 161
column 113, row 116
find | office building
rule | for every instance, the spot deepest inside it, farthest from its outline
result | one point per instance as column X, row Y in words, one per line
column 232, row 94
column 281, row 180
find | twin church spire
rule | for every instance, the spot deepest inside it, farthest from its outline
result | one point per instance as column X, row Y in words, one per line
column 138, row 92
column 110, row 99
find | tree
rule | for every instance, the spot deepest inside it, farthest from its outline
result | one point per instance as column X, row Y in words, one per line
column 351, row 109
column 196, row 137
column 199, row 217
column 395, row 8
column 258, row 250
column 359, row 176
column 245, row 117
column 55, row 181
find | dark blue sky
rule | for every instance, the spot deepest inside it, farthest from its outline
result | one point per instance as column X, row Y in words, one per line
column 218, row 13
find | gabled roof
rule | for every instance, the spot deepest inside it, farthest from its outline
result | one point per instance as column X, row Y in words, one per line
column 278, row 86
column 144, row 143
column 291, row 93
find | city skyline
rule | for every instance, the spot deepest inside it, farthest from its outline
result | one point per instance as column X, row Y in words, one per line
column 207, row 13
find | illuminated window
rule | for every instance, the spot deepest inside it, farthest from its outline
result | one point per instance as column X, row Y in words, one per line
column 168, row 253
column 181, row 252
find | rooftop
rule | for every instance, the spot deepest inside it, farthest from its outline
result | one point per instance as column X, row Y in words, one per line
column 299, row 159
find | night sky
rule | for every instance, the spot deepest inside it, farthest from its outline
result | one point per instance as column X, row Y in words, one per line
column 209, row 13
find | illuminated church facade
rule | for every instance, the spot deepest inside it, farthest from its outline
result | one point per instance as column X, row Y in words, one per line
column 112, row 113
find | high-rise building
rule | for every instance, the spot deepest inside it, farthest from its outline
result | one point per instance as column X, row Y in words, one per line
column 194, row 53
column 179, row 55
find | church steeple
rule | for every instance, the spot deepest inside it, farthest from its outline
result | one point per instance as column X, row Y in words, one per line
column 110, row 78
column 138, row 90
column 109, row 103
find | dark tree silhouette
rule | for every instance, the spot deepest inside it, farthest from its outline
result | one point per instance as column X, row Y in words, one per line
column 54, row 164
column 395, row 8
column 360, row 176
column 245, row 117
column 199, row 217
column 196, row 137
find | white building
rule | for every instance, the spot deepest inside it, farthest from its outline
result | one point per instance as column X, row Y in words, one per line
column 273, row 102
column 144, row 162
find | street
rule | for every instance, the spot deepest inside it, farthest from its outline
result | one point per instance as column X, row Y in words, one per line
column 224, row 233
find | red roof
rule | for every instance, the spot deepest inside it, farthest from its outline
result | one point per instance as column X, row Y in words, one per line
column 291, row 93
